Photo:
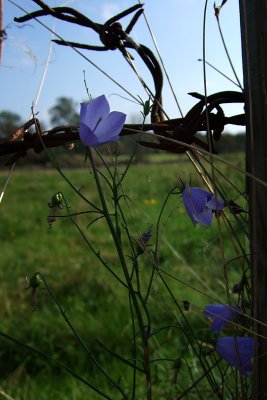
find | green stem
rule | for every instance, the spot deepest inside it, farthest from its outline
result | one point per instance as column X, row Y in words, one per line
column 133, row 295
column 78, row 337
column 49, row 358
column 157, row 243
column 97, row 254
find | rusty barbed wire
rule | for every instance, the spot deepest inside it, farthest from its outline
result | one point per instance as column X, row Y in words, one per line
column 113, row 37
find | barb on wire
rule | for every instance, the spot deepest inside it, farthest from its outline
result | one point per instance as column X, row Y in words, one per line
column 180, row 129
column 113, row 37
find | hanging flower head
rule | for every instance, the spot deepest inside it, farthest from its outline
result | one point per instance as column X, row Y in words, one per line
column 142, row 243
column 200, row 204
column 221, row 315
column 237, row 351
column 97, row 124
column 55, row 204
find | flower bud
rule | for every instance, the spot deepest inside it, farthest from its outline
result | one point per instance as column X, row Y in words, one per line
column 35, row 281
column 56, row 200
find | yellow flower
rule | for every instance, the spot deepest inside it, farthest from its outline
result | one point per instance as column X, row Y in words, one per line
column 150, row 202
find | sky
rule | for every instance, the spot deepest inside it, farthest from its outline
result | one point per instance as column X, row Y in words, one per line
column 177, row 26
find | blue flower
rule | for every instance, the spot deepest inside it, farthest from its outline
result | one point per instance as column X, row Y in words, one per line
column 200, row 204
column 237, row 351
column 220, row 314
column 143, row 241
column 97, row 125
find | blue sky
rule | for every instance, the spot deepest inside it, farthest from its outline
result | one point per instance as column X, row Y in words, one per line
column 177, row 26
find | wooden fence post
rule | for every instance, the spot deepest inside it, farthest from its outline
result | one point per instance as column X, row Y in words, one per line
column 253, row 18
column 1, row 29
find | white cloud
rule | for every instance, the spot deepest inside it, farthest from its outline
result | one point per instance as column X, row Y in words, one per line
column 108, row 10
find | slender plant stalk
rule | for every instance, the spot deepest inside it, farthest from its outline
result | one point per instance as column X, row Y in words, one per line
column 133, row 295
column 78, row 52
column 78, row 338
column 59, row 363
column 227, row 52
column 156, row 255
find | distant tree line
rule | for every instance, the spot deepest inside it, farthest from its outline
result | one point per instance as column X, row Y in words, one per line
column 231, row 143
column 64, row 112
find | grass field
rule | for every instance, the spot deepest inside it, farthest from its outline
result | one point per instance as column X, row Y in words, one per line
column 93, row 300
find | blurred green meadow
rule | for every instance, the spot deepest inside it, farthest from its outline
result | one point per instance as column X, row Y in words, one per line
column 93, row 300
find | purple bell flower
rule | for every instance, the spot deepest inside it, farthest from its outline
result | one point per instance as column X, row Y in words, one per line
column 200, row 204
column 237, row 351
column 97, row 124
column 221, row 315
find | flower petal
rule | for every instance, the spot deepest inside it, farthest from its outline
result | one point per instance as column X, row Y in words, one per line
column 199, row 205
column 195, row 200
column 94, row 111
column 198, row 197
column 97, row 125
column 86, row 134
column 205, row 218
column 214, row 203
column 220, row 314
column 110, row 127
column 237, row 351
